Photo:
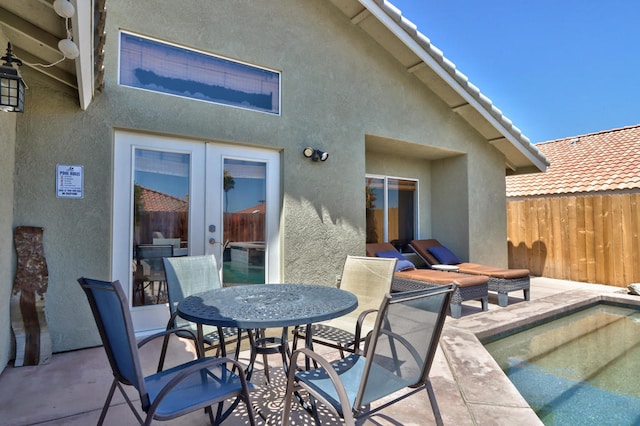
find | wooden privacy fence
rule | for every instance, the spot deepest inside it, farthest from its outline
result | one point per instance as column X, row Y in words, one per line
column 244, row 226
column 591, row 239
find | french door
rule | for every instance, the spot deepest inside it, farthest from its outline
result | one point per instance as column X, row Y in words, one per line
column 175, row 197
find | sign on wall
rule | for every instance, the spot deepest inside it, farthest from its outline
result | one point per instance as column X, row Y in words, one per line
column 69, row 181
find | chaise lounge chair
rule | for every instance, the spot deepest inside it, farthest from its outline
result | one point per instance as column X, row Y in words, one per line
column 501, row 280
column 407, row 278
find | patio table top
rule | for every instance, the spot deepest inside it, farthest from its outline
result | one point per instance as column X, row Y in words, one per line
column 267, row 305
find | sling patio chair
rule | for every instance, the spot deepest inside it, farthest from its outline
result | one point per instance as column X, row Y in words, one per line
column 501, row 280
column 149, row 272
column 189, row 275
column 408, row 277
column 398, row 354
column 369, row 279
column 166, row 394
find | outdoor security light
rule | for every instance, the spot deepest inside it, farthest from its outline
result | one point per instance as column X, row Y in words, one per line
column 11, row 84
column 315, row 154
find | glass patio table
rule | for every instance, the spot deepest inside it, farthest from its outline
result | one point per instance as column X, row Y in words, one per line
column 260, row 306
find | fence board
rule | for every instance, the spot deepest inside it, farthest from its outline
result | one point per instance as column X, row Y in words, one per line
column 589, row 240
column 598, row 231
column 568, row 244
column 627, row 238
column 592, row 239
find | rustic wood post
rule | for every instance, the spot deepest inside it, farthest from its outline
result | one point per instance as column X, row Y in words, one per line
column 33, row 343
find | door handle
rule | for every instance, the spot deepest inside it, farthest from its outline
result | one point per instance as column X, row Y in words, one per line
column 212, row 241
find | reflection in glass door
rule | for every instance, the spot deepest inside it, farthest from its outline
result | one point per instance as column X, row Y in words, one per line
column 244, row 213
column 160, row 220
column 176, row 197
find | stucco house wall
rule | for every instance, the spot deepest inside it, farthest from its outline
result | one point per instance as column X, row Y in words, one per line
column 340, row 91
column 7, row 268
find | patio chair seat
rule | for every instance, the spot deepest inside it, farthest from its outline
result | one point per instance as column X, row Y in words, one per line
column 187, row 396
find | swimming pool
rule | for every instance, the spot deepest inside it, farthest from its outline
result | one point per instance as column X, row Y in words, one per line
column 583, row 368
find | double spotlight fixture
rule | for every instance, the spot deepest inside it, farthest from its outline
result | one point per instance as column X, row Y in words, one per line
column 315, row 154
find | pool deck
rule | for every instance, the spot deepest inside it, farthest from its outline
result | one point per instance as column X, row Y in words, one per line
column 470, row 387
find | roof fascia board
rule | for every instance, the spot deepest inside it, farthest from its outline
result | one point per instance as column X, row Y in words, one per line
column 393, row 26
column 83, row 36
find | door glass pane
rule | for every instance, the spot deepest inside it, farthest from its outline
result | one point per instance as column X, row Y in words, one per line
column 244, row 211
column 375, row 210
column 160, row 220
column 401, row 211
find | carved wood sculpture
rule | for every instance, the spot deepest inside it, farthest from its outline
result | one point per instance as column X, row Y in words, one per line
column 33, row 343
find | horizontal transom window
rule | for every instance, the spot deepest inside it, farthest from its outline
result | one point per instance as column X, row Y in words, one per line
column 170, row 69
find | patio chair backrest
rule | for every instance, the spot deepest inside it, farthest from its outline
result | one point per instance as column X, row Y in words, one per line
column 369, row 278
column 111, row 313
column 401, row 348
column 152, row 255
column 189, row 275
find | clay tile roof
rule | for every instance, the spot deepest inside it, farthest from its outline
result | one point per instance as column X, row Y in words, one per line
column 602, row 161
column 259, row 208
column 160, row 202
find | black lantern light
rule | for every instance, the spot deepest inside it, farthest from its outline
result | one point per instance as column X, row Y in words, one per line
column 11, row 84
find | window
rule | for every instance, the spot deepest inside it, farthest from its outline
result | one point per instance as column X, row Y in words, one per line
column 391, row 210
column 166, row 68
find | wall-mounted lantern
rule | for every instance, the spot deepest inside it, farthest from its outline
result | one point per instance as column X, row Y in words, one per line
column 12, row 86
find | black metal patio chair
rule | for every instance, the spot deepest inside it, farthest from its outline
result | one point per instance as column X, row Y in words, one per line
column 166, row 394
column 398, row 354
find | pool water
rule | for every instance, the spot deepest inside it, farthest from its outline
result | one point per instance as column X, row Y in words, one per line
column 581, row 369
column 234, row 272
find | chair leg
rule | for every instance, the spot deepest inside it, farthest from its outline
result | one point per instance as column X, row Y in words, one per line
column 456, row 310
column 294, row 345
column 485, row 303
column 503, row 299
column 107, row 402
column 527, row 293
column 433, row 402
column 112, row 390
column 163, row 352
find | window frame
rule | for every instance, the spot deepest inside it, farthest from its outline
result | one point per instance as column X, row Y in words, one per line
column 416, row 202
column 209, row 88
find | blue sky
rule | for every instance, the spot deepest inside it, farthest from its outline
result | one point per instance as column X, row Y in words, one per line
column 556, row 68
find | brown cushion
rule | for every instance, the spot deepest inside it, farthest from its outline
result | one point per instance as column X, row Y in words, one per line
column 506, row 274
column 441, row 277
column 421, row 247
column 373, row 248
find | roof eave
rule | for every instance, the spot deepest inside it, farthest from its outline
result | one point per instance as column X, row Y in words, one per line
column 520, row 145
column 83, row 26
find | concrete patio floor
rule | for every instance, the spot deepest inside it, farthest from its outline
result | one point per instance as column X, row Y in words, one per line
column 470, row 387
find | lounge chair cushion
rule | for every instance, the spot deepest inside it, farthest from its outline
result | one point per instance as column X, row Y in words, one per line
column 403, row 263
column 442, row 277
column 444, row 255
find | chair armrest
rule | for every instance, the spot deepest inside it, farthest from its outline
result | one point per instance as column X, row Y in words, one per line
column 166, row 333
column 333, row 376
column 359, row 323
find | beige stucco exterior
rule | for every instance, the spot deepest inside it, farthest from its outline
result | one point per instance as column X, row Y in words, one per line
column 7, row 162
column 341, row 92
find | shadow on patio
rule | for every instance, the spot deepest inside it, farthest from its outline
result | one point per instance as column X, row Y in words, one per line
column 469, row 386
